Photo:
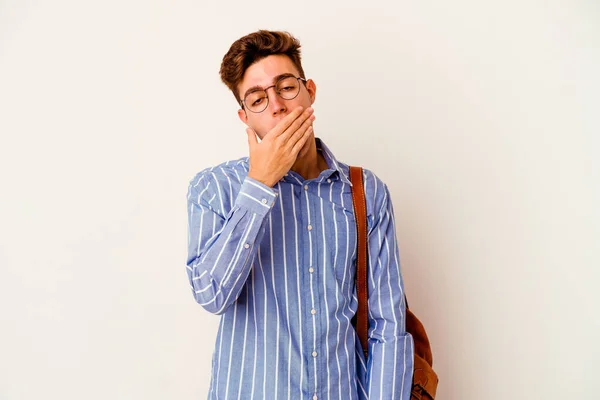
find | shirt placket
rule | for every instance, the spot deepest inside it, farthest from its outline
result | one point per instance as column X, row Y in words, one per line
column 312, row 305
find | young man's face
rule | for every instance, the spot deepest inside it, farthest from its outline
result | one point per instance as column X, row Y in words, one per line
column 264, row 73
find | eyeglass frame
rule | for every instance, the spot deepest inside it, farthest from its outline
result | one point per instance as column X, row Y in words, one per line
column 243, row 102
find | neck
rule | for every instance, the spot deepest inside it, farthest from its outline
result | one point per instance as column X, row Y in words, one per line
column 310, row 162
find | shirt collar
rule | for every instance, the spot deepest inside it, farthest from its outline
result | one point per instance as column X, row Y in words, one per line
column 332, row 162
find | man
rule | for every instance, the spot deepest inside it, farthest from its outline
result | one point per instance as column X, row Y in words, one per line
column 272, row 249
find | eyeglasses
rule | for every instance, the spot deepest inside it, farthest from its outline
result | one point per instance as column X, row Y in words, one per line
column 286, row 87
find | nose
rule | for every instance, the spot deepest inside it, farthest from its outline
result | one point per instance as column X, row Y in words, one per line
column 276, row 103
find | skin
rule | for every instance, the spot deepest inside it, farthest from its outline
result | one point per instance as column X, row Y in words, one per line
column 284, row 127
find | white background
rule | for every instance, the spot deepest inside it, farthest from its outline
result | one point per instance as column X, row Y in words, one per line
column 480, row 117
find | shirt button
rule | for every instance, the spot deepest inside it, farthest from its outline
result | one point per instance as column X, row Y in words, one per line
column 311, row 270
column 305, row 187
column 310, row 227
column 313, row 311
column 314, row 353
column 264, row 201
column 246, row 245
column 315, row 397
column 328, row 180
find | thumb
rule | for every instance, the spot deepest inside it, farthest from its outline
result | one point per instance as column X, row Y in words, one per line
column 252, row 141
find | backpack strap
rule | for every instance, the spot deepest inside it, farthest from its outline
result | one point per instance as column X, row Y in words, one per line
column 360, row 213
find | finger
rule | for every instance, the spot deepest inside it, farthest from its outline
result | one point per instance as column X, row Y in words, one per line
column 297, row 124
column 285, row 123
column 298, row 134
column 300, row 143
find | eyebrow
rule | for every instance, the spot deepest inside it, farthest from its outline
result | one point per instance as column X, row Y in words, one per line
column 275, row 79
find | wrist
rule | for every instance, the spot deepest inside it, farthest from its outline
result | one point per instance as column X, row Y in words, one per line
column 265, row 181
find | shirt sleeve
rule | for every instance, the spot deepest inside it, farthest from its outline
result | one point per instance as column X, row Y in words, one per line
column 222, row 245
column 391, row 351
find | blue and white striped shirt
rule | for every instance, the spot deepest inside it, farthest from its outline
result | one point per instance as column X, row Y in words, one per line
column 278, row 265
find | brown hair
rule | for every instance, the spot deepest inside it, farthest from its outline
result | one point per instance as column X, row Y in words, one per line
column 252, row 48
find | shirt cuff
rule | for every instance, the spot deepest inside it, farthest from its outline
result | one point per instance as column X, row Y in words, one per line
column 256, row 196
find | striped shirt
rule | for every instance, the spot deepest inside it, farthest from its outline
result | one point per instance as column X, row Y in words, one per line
column 278, row 265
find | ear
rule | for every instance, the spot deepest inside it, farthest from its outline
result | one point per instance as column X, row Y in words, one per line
column 312, row 90
column 243, row 116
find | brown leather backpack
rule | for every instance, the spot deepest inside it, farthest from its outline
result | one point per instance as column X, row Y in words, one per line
column 425, row 380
